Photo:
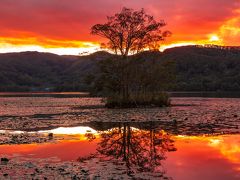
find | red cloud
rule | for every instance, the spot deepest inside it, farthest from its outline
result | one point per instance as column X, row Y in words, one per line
column 189, row 20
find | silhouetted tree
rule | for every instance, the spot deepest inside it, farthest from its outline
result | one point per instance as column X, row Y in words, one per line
column 128, row 32
column 131, row 31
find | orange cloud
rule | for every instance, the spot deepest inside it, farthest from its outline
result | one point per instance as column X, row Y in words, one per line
column 66, row 24
column 230, row 31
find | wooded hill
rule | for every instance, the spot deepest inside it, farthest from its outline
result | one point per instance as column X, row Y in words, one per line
column 197, row 68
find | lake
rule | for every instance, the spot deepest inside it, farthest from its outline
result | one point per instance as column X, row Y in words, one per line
column 71, row 136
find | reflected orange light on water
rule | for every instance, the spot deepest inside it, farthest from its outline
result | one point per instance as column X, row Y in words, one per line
column 228, row 147
column 65, row 150
column 215, row 157
column 201, row 153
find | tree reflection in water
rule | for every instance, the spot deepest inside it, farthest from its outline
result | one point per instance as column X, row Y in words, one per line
column 140, row 150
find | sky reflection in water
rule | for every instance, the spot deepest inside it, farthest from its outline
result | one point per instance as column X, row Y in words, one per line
column 144, row 150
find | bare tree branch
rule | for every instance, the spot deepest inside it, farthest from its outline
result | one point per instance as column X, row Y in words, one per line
column 131, row 32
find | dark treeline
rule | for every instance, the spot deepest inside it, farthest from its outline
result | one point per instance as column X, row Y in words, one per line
column 206, row 68
column 195, row 69
column 34, row 71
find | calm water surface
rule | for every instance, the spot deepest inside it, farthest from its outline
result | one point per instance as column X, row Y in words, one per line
column 196, row 138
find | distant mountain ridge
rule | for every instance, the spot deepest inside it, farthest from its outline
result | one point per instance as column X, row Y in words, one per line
column 209, row 68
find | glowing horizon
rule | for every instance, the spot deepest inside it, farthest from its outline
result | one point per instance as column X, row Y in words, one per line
column 63, row 28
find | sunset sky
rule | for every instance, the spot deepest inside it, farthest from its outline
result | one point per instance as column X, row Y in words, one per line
column 63, row 26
